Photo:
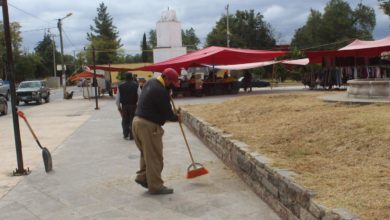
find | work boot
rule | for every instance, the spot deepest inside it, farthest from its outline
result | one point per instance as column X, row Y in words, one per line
column 162, row 191
column 142, row 183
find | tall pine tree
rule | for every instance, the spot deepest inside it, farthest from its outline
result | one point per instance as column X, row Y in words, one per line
column 145, row 49
column 152, row 39
column 45, row 49
column 104, row 37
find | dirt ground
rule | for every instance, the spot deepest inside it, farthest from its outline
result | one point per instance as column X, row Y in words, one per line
column 341, row 151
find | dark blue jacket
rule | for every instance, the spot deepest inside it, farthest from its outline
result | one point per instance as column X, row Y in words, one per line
column 154, row 103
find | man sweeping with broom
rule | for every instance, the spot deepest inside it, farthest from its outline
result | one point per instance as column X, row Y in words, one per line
column 153, row 110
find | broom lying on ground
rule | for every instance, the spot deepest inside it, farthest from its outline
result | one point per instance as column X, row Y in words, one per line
column 195, row 169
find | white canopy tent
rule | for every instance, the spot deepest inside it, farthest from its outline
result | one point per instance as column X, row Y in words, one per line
column 244, row 66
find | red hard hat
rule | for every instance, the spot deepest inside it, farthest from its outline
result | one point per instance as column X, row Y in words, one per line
column 172, row 75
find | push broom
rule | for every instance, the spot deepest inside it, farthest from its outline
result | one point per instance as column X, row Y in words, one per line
column 195, row 169
column 47, row 161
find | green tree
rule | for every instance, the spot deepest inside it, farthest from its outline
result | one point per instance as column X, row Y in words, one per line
column 146, row 54
column 16, row 44
column 27, row 67
column 280, row 72
column 80, row 60
column 385, row 6
column 133, row 58
column 247, row 30
column 44, row 49
column 104, row 37
column 190, row 40
column 69, row 61
column 309, row 34
column 152, row 38
column 364, row 21
column 339, row 24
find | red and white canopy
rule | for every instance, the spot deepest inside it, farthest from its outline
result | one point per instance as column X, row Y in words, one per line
column 214, row 56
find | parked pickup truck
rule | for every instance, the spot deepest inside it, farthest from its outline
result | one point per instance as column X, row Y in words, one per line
column 4, row 89
column 32, row 91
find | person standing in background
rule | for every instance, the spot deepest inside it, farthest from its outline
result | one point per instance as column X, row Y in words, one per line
column 247, row 81
column 126, row 101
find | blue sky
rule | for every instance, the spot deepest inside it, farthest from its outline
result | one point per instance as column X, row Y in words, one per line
column 132, row 18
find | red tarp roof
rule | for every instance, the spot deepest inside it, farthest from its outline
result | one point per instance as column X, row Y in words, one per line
column 84, row 74
column 214, row 56
column 362, row 44
column 357, row 48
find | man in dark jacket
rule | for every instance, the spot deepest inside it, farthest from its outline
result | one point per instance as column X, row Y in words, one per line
column 153, row 110
column 247, row 81
column 126, row 101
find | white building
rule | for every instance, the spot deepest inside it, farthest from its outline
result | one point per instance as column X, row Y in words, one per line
column 169, row 41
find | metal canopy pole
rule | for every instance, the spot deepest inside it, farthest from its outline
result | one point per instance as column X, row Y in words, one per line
column 10, row 72
column 94, row 78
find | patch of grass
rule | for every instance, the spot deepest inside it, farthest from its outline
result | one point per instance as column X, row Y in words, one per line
column 340, row 151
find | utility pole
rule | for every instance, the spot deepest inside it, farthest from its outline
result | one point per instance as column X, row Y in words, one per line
column 227, row 26
column 59, row 25
column 54, row 54
column 74, row 59
column 10, row 72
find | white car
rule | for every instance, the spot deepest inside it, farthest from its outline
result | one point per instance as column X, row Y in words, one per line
column 3, row 105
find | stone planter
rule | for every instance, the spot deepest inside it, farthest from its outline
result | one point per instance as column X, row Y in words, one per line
column 369, row 88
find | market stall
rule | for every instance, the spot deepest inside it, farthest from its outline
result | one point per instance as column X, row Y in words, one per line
column 357, row 61
column 205, row 80
column 85, row 81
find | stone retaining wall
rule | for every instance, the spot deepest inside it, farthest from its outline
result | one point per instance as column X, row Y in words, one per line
column 289, row 200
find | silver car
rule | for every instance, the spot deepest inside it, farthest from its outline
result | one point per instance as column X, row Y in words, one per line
column 4, row 88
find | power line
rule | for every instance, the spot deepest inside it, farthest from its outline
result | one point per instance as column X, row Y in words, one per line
column 40, row 29
column 28, row 13
column 67, row 37
column 337, row 42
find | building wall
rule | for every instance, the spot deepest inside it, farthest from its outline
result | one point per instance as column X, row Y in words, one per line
column 169, row 39
column 168, row 34
column 162, row 54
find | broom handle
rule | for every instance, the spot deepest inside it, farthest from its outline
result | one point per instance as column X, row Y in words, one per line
column 21, row 114
column 182, row 131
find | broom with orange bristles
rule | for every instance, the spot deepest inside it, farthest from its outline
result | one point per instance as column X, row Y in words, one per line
column 195, row 169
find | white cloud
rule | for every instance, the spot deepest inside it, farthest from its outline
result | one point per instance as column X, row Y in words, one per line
column 274, row 12
column 133, row 17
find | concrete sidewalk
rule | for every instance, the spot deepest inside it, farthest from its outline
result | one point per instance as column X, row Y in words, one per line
column 94, row 170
